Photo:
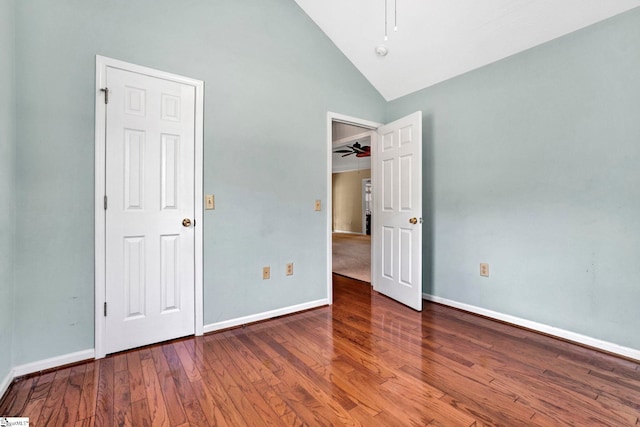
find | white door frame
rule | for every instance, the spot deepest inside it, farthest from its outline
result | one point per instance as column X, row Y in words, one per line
column 364, row 203
column 100, row 182
column 368, row 124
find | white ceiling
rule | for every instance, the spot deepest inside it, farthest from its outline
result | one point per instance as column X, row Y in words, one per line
column 440, row 39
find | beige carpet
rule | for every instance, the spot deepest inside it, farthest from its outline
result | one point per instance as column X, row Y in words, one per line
column 352, row 256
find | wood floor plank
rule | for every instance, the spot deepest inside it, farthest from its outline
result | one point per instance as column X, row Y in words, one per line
column 104, row 399
column 19, row 398
column 241, row 391
column 365, row 360
column 140, row 415
column 196, row 348
column 190, row 366
column 136, row 379
column 53, row 403
column 120, row 362
column 218, row 390
column 42, row 385
column 89, row 394
column 33, row 411
column 171, row 399
column 196, row 415
column 71, row 399
column 208, row 404
column 180, row 378
column 86, row 422
column 122, row 413
column 155, row 405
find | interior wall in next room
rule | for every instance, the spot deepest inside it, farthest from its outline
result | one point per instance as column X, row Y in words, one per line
column 347, row 200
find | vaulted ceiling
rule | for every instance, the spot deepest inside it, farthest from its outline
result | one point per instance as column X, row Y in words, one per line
column 439, row 39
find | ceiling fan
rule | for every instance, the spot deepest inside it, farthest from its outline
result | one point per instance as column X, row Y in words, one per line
column 357, row 149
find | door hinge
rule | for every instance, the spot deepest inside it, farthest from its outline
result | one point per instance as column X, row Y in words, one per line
column 105, row 202
column 106, row 94
column 105, row 309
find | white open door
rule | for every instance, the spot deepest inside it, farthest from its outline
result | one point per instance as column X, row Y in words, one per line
column 149, row 215
column 397, row 211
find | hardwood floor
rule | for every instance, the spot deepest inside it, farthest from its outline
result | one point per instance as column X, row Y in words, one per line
column 364, row 361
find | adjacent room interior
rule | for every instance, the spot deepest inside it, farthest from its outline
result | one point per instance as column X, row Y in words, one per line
column 351, row 201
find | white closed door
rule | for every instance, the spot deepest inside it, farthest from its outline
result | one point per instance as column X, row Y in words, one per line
column 397, row 214
column 149, row 265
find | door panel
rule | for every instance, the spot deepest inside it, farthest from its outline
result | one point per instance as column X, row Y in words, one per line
column 397, row 243
column 150, row 142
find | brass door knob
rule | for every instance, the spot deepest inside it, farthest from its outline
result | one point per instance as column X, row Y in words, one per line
column 415, row 220
column 186, row 222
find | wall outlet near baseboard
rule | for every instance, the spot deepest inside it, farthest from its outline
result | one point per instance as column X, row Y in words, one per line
column 289, row 270
column 484, row 269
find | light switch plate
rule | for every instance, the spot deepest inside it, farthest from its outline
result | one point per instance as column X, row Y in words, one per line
column 318, row 205
column 209, row 202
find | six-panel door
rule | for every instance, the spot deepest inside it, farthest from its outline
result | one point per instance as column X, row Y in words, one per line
column 150, row 190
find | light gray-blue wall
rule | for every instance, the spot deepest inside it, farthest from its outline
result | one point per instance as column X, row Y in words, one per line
column 7, row 149
column 532, row 164
column 270, row 77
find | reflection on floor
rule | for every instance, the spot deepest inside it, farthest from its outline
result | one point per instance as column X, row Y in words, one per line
column 352, row 256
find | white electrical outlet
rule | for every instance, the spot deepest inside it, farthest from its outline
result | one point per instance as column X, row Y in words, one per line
column 484, row 269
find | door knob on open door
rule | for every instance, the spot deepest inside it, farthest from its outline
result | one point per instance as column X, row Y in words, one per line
column 415, row 220
column 186, row 222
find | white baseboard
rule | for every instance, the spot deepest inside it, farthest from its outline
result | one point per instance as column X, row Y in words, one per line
column 264, row 316
column 5, row 383
column 540, row 327
column 348, row 232
column 54, row 362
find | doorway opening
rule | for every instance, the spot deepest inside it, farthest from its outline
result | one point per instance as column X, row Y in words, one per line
column 351, row 191
column 395, row 150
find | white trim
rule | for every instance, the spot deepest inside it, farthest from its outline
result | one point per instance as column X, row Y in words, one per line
column 364, row 202
column 198, row 216
column 540, row 327
column 265, row 315
column 331, row 117
column 102, row 63
column 350, row 170
column 5, row 383
column 53, row 362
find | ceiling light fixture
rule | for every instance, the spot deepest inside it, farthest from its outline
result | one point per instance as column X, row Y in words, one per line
column 382, row 50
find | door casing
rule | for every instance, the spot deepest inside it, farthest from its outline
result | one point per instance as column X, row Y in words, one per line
column 102, row 63
column 335, row 117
